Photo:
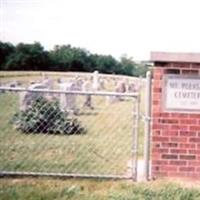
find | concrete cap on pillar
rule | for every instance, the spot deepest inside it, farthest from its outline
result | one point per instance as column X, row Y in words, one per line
column 175, row 57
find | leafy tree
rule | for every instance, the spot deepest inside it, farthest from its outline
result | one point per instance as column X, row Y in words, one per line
column 141, row 70
column 128, row 66
column 64, row 58
column 28, row 57
column 6, row 49
column 67, row 58
column 104, row 64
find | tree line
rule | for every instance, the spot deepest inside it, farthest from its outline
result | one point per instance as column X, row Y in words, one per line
column 64, row 58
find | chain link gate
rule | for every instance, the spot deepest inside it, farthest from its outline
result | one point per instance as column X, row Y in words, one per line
column 68, row 134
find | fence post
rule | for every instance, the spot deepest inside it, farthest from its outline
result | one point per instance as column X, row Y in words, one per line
column 147, row 132
column 135, row 139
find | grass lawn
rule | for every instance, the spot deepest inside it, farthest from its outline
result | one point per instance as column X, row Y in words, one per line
column 106, row 148
column 39, row 189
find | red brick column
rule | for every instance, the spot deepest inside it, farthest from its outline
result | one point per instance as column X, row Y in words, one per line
column 175, row 135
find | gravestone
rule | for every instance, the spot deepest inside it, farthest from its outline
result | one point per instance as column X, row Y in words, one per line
column 87, row 87
column 47, row 82
column 95, row 83
column 68, row 101
column 27, row 97
column 132, row 87
column 102, row 84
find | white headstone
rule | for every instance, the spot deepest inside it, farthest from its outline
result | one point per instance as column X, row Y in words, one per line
column 88, row 98
column 26, row 98
column 132, row 87
column 68, row 101
column 95, row 84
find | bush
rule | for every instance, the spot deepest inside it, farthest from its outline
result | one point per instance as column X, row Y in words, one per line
column 44, row 116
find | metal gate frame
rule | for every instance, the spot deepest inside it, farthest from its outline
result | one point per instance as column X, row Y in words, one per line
column 135, row 131
column 147, row 127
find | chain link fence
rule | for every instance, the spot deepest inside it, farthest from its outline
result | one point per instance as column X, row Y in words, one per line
column 83, row 134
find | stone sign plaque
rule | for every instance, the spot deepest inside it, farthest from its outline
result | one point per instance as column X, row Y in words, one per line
column 181, row 93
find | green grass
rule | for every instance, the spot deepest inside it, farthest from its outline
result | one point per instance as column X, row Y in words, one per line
column 36, row 189
column 104, row 149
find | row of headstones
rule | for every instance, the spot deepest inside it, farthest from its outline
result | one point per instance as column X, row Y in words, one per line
column 94, row 83
column 68, row 101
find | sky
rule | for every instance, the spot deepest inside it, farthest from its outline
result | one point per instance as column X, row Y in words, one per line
column 109, row 27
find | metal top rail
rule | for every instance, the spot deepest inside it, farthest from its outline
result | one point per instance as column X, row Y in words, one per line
column 103, row 93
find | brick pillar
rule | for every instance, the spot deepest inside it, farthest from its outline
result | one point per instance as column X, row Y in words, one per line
column 175, row 134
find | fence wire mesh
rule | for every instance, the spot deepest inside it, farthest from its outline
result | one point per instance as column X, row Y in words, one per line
column 81, row 134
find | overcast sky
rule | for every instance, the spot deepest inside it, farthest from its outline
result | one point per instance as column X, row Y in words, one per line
column 116, row 27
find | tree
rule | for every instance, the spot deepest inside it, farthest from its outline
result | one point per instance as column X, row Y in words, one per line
column 104, row 64
column 6, row 49
column 67, row 58
column 28, row 57
column 64, row 58
column 128, row 66
column 141, row 69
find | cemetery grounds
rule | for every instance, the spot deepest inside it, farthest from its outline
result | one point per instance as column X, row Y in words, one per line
column 53, row 145
column 103, row 129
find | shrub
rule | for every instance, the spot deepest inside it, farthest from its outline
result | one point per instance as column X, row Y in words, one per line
column 44, row 116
